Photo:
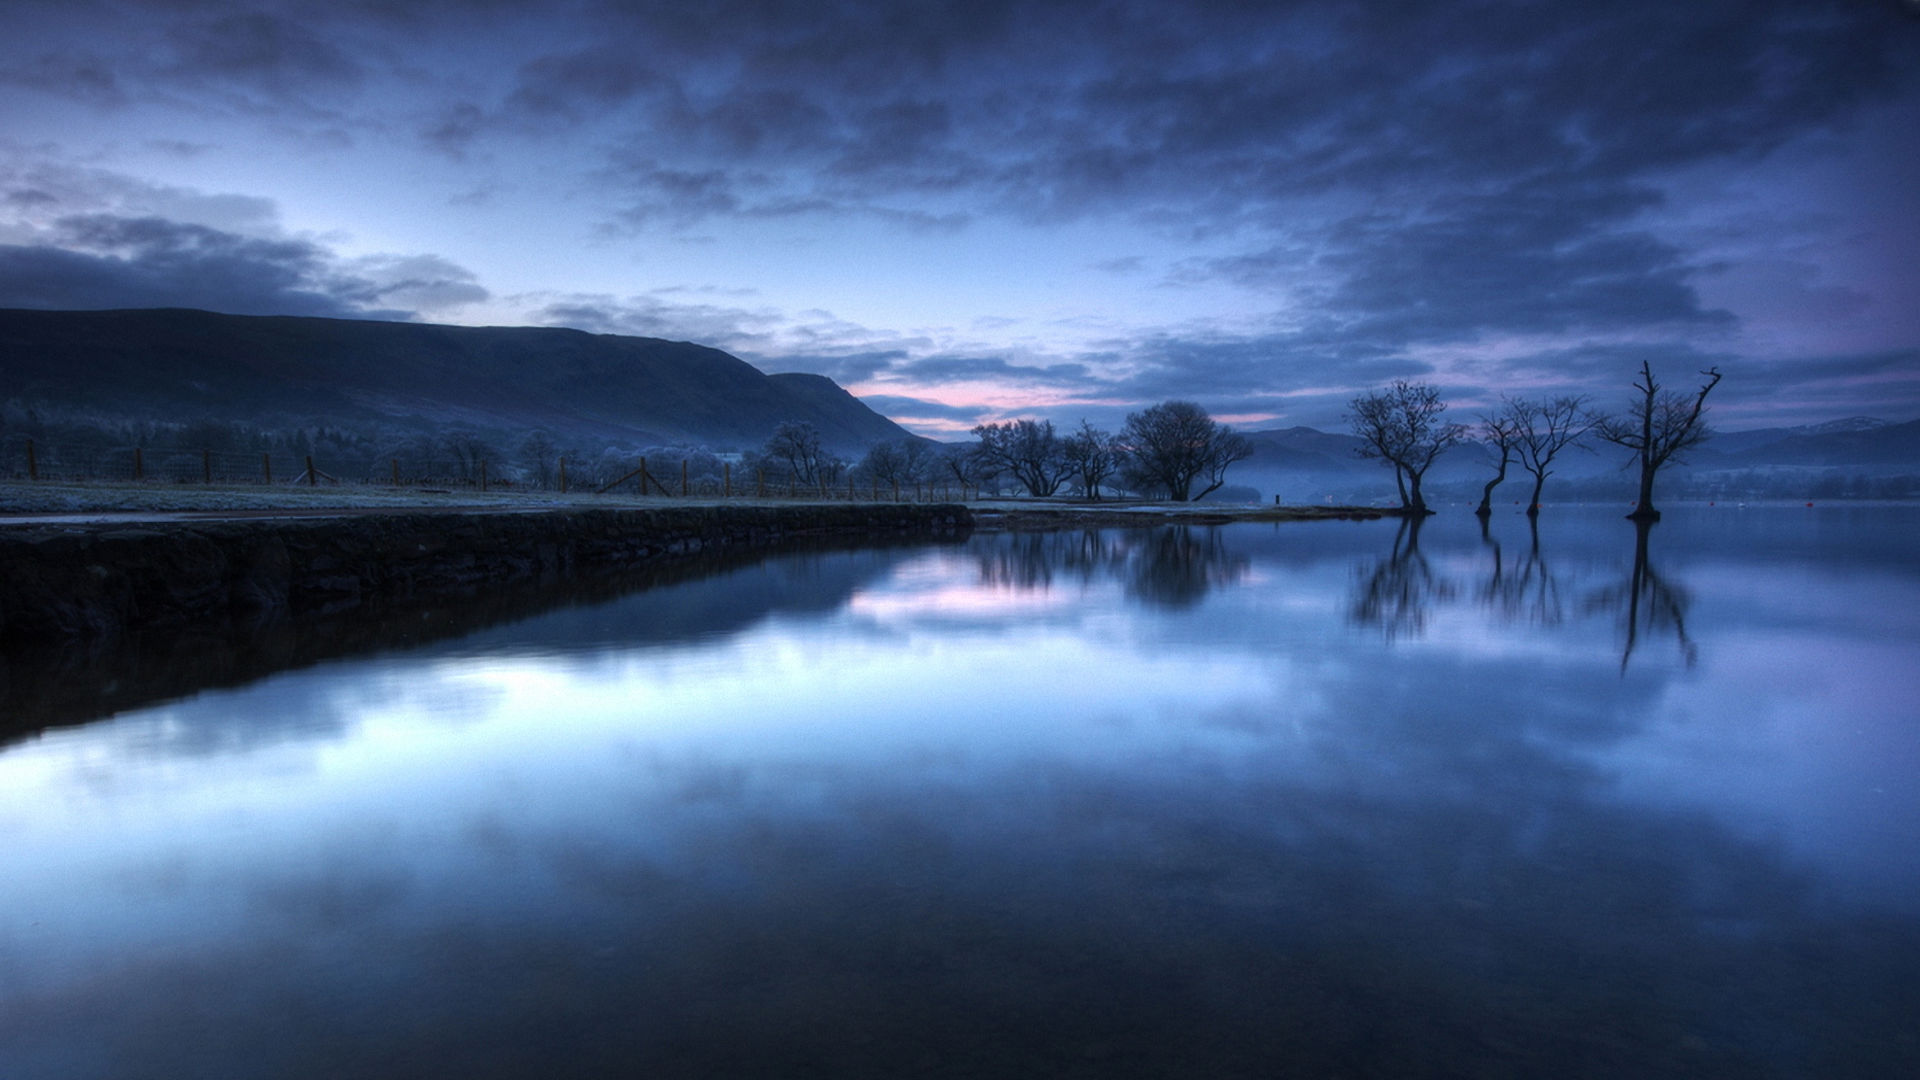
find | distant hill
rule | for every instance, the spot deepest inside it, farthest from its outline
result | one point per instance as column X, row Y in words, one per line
column 183, row 366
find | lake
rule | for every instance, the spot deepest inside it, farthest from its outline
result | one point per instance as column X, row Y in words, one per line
column 1336, row 799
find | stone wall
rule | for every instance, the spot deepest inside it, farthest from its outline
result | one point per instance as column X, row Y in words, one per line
column 79, row 582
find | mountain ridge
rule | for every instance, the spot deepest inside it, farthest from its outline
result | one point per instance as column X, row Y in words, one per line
column 183, row 365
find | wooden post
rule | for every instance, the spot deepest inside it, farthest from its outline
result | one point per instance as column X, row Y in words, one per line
column 643, row 476
column 266, row 468
column 33, row 467
column 896, row 489
column 792, row 490
column 684, row 489
column 139, row 467
column 760, row 483
column 849, row 487
column 726, row 479
column 563, row 476
column 483, row 474
column 206, row 466
column 313, row 479
column 396, row 472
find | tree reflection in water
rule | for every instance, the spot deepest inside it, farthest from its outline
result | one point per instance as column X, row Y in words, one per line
column 1173, row 566
column 1401, row 592
column 1530, row 592
column 1397, row 593
column 1648, row 600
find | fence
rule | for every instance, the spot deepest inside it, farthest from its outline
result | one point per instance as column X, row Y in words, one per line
column 35, row 462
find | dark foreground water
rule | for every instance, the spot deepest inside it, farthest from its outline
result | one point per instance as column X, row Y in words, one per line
column 1319, row 800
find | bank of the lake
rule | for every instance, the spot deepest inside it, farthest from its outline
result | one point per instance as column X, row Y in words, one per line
column 99, row 579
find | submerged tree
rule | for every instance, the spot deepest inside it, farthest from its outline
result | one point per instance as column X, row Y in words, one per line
column 1658, row 427
column 1498, row 431
column 1401, row 426
column 1175, row 445
column 1544, row 428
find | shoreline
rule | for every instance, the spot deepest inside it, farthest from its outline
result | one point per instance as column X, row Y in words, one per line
column 102, row 580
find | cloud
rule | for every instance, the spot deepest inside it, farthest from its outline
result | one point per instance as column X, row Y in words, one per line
column 261, row 51
column 101, row 261
column 656, row 315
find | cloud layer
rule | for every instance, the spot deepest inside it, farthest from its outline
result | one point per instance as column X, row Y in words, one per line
column 1292, row 200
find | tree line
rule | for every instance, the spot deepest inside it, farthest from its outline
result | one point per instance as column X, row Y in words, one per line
column 1403, row 426
column 1173, row 450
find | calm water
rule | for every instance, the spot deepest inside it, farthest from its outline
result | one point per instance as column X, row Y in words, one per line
column 1327, row 800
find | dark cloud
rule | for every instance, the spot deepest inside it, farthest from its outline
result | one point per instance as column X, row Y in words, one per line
column 1173, row 366
column 261, row 50
column 1536, row 258
column 100, row 261
column 935, row 370
column 1413, row 177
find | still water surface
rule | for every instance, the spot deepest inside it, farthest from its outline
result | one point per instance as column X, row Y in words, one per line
column 1333, row 799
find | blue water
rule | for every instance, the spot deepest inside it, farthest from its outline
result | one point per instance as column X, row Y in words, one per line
column 1331, row 799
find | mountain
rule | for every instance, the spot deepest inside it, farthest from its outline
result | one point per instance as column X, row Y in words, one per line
column 183, row 366
column 1857, row 441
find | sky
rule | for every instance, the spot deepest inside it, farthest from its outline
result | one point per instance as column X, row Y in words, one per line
column 975, row 211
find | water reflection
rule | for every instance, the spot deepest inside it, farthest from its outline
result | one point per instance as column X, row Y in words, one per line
column 1085, row 804
column 1397, row 592
column 1648, row 600
column 713, row 595
column 1400, row 593
column 1172, row 567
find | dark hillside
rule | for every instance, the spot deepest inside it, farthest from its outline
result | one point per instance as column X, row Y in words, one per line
column 174, row 365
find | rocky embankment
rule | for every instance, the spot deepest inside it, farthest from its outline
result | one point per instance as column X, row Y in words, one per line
column 102, row 580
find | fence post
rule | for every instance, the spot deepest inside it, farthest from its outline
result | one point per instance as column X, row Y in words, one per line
column 644, row 477
column 206, row 466
column 563, row 476
column 139, row 467
column 896, row 489
column 33, row 467
column 760, row 483
column 312, row 479
column 396, row 472
column 483, row 474
column 726, row 479
column 684, row 490
column 266, row 469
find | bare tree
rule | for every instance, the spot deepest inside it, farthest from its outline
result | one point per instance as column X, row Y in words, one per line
column 1544, row 428
column 467, row 449
column 1401, row 426
column 963, row 465
column 539, row 454
column 1497, row 430
column 1028, row 449
column 1091, row 457
column 796, row 445
column 1658, row 427
column 898, row 461
column 1175, row 445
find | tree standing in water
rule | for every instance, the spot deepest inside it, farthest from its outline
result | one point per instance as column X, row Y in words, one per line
column 1401, row 425
column 1544, row 428
column 1497, row 430
column 1658, row 427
